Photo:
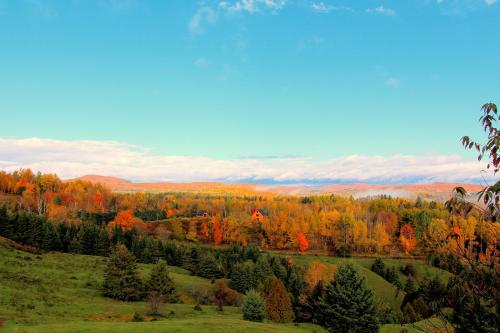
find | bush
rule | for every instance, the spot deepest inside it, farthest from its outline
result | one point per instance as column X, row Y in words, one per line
column 254, row 308
column 137, row 317
column 201, row 294
column 344, row 251
column 155, row 300
column 409, row 270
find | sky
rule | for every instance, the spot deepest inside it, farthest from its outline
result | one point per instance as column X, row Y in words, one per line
column 277, row 91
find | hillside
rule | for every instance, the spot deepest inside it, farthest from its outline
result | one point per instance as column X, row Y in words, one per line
column 432, row 191
column 58, row 292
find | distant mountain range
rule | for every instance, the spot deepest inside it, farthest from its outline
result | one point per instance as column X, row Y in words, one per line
column 434, row 191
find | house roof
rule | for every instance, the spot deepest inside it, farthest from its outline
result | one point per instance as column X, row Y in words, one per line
column 263, row 212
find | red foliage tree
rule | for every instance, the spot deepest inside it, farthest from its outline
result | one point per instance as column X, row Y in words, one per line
column 217, row 232
column 407, row 237
column 303, row 243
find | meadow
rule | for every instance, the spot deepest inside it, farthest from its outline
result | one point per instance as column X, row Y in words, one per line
column 57, row 292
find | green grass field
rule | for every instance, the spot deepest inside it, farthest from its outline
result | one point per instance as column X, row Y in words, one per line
column 58, row 292
column 382, row 289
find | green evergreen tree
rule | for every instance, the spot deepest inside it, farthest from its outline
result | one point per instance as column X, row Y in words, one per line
column 472, row 316
column 103, row 243
column 160, row 282
column 209, row 267
column 121, row 279
column 347, row 305
column 262, row 268
column 410, row 286
column 253, row 308
column 379, row 267
column 278, row 303
column 243, row 277
column 75, row 246
column 191, row 259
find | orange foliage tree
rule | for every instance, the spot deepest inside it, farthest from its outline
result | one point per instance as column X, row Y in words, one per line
column 319, row 271
column 125, row 219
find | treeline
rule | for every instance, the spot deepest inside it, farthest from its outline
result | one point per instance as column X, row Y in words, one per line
column 328, row 223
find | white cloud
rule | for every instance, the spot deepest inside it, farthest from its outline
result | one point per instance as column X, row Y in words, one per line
column 393, row 82
column 490, row 2
column 321, row 7
column 204, row 15
column 382, row 11
column 252, row 6
column 76, row 158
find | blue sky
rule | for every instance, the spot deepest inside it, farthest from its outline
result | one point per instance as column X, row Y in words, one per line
column 232, row 81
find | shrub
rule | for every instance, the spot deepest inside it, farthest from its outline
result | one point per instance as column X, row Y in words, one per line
column 344, row 251
column 409, row 270
column 136, row 317
column 155, row 300
column 254, row 308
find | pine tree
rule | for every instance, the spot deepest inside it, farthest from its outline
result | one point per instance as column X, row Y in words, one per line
column 262, row 268
column 121, row 280
column 379, row 267
column 103, row 243
column 160, row 282
column 191, row 259
column 347, row 305
column 75, row 246
column 410, row 286
column 278, row 303
column 243, row 277
column 208, row 267
column 253, row 308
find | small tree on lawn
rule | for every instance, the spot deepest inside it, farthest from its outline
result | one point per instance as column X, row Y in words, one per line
column 222, row 294
column 121, row 280
column 278, row 303
column 253, row 308
column 160, row 282
column 347, row 305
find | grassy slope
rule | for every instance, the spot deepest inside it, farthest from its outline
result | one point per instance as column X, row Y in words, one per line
column 381, row 288
column 59, row 292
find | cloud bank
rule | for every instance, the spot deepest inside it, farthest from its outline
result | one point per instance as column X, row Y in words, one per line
column 71, row 159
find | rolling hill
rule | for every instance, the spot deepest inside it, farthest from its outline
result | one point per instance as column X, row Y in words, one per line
column 432, row 191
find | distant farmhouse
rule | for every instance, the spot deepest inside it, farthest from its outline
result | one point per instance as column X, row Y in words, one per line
column 202, row 213
column 259, row 215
